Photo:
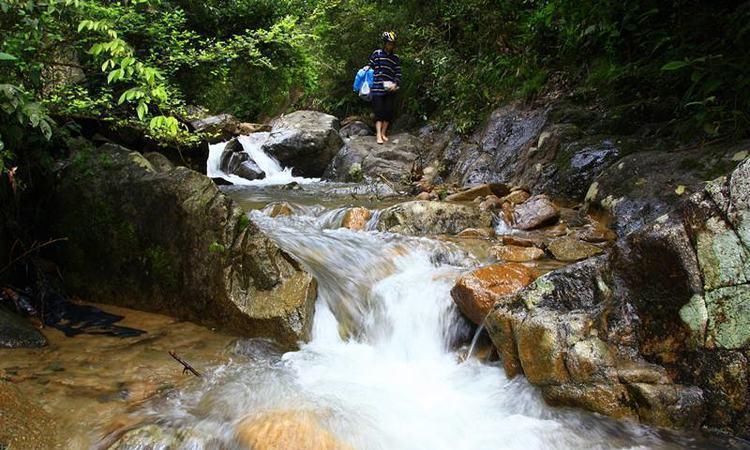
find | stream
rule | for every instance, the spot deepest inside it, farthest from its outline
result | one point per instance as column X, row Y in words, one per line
column 386, row 367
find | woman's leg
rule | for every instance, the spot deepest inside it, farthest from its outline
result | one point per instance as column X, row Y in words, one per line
column 379, row 131
column 388, row 110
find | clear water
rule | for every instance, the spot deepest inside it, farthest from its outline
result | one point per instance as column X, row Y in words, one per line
column 382, row 370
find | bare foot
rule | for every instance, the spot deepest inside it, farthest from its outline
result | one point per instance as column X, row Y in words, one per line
column 380, row 140
column 385, row 138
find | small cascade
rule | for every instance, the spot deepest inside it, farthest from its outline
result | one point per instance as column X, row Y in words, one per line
column 252, row 145
column 381, row 370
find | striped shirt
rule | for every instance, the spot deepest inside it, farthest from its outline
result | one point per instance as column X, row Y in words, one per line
column 387, row 67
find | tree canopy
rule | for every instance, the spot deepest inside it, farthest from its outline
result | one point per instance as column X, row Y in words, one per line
column 149, row 61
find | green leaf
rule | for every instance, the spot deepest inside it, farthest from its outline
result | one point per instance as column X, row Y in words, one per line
column 141, row 109
column 675, row 65
column 7, row 57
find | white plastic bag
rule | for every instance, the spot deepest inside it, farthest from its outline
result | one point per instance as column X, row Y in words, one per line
column 364, row 92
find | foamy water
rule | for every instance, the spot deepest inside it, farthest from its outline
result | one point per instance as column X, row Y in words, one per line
column 381, row 371
column 252, row 144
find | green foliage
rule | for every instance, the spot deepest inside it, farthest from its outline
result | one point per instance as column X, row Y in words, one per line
column 145, row 60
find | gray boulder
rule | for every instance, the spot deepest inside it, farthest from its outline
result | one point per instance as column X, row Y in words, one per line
column 171, row 242
column 362, row 155
column 419, row 218
column 304, row 140
column 355, row 128
column 15, row 332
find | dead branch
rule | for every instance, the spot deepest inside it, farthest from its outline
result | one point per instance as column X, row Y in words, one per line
column 35, row 247
column 186, row 367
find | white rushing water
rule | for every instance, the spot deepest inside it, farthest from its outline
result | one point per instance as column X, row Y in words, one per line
column 381, row 371
column 252, row 145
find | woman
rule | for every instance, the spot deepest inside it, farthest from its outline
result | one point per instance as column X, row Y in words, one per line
column 387, row 80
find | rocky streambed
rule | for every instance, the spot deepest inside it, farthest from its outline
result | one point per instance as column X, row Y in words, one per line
column 435, row 270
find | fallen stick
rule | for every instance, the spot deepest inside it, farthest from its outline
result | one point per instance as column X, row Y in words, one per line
column 186, row 367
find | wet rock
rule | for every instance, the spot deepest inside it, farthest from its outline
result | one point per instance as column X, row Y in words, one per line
column 249, row 170
column 579, row 164
column 171, row 242
column 393, row 160
column 535, row 212
column 279, row 209
column 641, row 372
column 660, row 275
column 481, row 190
column 668, row 405
column 491, row 202
column 571, row 249
column 153, row 436
column 356, row 128
column 512, row 253
column 15, row 332
column 159, row 162
column 643, row 186
column 23, row 423
column 424, row 218
column 595, row 234
column 305, row 140
column 475, row 293
column 477, row 233
column 516, row 197
column 522, row 241
column 493, row 154
column 222, row 126
column 356, row 219
column 608, row 399
column 279, row 430
column 591, row 361
column 724, row 378
column 245, row 128
column 542, row 344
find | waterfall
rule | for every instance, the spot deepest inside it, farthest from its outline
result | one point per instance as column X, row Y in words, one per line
column 253, row 146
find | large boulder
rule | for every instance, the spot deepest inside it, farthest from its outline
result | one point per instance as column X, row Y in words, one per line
column 419, row 218
column 281, row 429
column 304, row 140
column 656, row 330
column 171, row 242
column 363, row 156
column 475, row 293
column 15, row 332
column 496, row 152
column 566, row 333
column 643, row 186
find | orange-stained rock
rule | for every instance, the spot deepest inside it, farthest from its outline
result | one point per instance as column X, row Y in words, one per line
column 476, row 292
column 516, row 197
column 477, row 233
column 491, row 202
column 482, row 190
column 356, row 219
column 424, row 196
column 521, row 241
column 286, row 430
column 280, row 209
column 513, row 253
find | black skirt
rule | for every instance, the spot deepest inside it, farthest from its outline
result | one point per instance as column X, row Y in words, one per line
column 383, row 106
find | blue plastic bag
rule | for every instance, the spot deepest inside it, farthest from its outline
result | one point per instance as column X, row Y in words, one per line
column 363, row 82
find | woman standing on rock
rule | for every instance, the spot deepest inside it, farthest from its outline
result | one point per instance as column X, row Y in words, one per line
column 387, row 79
